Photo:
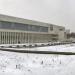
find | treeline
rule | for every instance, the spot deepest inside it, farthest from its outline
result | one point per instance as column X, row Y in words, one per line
column 71, row 35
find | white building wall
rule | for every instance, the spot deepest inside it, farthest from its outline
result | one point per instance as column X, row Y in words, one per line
column 32, row 36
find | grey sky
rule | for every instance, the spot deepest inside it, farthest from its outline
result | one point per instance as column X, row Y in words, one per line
column 59, row 12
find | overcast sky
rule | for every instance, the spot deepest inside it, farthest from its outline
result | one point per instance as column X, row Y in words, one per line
column 59, row 12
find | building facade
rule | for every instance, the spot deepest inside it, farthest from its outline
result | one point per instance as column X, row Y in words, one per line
column 15, row 30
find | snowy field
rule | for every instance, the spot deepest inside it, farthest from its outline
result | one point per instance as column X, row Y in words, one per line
column 38, row 64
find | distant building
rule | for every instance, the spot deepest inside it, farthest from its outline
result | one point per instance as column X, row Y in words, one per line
column 71, row 37
column 15, row 30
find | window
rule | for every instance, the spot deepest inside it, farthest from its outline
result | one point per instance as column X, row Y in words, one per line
column 5, row 25
column 51, row 27
column 0, row 25
column 43, row 29
column 61, row 29
column 20, row 26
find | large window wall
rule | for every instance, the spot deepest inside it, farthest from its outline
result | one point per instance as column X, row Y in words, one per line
column 20, row 26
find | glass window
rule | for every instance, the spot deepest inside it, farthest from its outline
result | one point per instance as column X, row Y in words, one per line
column 5, row 25
column 43, row 29
column 0, row 25
column 51, row 27
column 61, row 29
column 20, row 26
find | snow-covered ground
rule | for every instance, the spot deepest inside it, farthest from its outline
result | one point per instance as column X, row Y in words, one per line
column 38, row 64
column 59, row 48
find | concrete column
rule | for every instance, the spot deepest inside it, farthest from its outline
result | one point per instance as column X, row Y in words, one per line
column 21, row 35
column 31, row 37
column 24, row 37
column 2, row 37
column 20, row 38
column 26, row 40
column 13, row 36
column 6, row 38
column 37, row 38
column 9, row 37
column 34, row 38
column 17, row 37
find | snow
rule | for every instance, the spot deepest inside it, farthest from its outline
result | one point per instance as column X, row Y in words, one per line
column 59, row 48
column 12, row 63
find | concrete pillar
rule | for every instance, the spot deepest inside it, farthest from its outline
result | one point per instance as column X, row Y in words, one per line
column 16, row 37
column 13, row 37
column 10, row 38
column 24, row 37
column 7, row 37
column 32, row 38
column 0, row 37
column 27, row 37
column 20, row 39
column 4, row 38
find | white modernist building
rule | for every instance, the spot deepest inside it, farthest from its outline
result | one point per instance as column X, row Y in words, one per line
column 14, row 30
